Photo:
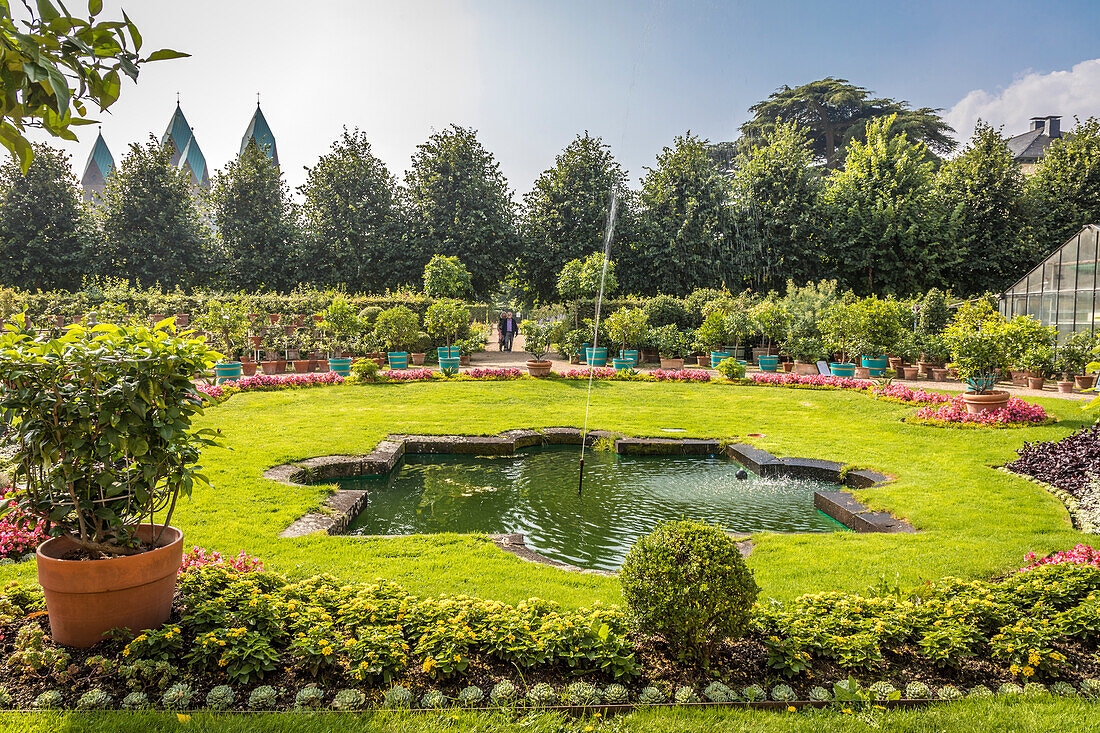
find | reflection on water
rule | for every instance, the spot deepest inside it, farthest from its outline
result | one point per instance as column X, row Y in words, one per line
column 535, row 493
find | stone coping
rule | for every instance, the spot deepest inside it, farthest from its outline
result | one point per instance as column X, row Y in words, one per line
column 343, row 505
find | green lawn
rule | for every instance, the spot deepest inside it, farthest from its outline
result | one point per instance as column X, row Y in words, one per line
column 968, row 716
column 974, row 521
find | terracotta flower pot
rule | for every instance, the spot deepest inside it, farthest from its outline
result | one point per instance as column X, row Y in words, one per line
column 1035, row 382
column 182, row 319
column 464, row 360
column 895, row 362
column 925, row 368
column 539, row 368
column 805, row 368
column 273, row 317
column 788, row 366
column 910, row 372
column 256, row 341
column 417, row 358
column 270, row 367
column 574, row 360
column 863, row 372
column 1085, row 381
column 1019, row 377
column 248, row 368
column 976, row 403
column 939, row 375
column 302, row 366
column 672, row 363
column 86, row 598
column 1065, row 387
column 703, row 361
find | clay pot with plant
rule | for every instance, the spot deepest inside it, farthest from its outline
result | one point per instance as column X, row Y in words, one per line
column 979, row 339
column 672, row 345
column 1072, row 358
column 101, row 424
column 538, row 336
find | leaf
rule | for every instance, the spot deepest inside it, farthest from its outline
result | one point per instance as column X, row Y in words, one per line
column 165, row 54
column 47, row 11
column 134, row 34
column 95, row 7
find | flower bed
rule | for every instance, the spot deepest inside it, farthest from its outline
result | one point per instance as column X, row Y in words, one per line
column 593, row 372
column 1079, row 555
column 406, row 375
column 1067, row 463
column 249, row 639
column 19, row 533
column 908, row 396
column 1017, row 413
column 810, row 381
column 269, row 382
column 489, row 373
column 679, row 375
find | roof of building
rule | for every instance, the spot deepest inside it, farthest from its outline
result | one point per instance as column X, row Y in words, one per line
column 260, row 131
column 185, row 149
column 1029, row 146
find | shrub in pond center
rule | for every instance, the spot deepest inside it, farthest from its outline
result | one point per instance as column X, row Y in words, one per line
column 688, row 582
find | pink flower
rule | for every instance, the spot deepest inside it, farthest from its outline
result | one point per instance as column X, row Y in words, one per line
column 198, row 557
column 270, row 382
column 913, row 396
column 15, row 540
column 1079, row 555
column 597, row 373
column 406, row 375
column 680, row 375
column 494, row 373
column 810, row 380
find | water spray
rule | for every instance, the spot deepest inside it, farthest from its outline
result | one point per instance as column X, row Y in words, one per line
column 608, row 235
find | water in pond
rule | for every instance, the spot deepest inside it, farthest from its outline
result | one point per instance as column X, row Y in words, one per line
column 535, row 493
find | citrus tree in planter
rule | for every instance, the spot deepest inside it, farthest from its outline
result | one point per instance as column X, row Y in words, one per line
column 397, row 328
column 101, row 422
column 628, row 327
column 227, row 323
column 537, row 338
column 447, row 321
column 672, row 345
column 342, row 322
column 979, row 342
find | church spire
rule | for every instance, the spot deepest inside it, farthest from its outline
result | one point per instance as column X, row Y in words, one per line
column 260, row 131
column 186, row 154
column 100, row 165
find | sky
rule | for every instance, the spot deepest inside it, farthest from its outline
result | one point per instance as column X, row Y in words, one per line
column 530, row 76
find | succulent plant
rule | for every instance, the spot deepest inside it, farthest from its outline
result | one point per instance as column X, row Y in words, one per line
column 582, row 694
column 1010, row 688
column 263, row 697
column 541, row 695
column 685, row 696
column 719, row 692
column 980, row 691
column 348, row 699
column 882, row 690
column 1035, row 688
column 94, row 699
column 820, row 694
column 221, row 697
column 471, row 696
column 948, row 692
column 309, row 697
column 433, row 700
column 783, row 693
column 49, row 700
column 1063, row 689
column 652, row 696
column 135, row 701
column 1090, row 687
column 397, row 697
column 178, row 696
column 616, row 694
column 503, row 693
column 918, row 691
column 754, row 693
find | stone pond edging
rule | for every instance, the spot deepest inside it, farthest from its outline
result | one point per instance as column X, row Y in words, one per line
column 339, row 509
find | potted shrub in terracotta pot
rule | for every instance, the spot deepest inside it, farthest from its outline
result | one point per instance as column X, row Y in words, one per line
column 805, row 350
column 1072, row 358
column 101, row 421
column 447, row 321
column 672, row 344
column 979, row 343
column 770, row 319
column 537, row 338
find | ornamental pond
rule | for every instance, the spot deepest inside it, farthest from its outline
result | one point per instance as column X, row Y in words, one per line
column 534, row 492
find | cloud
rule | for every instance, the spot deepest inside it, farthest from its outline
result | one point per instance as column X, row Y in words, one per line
column 1068, row 93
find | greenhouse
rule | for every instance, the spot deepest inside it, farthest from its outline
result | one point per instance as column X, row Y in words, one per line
column 1060, row 291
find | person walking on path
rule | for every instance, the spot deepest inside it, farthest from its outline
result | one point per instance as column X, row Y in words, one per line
column 507, row 328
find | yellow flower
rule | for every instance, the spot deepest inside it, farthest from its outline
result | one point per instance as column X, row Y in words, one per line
column 791, row 708
column 183, row 718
